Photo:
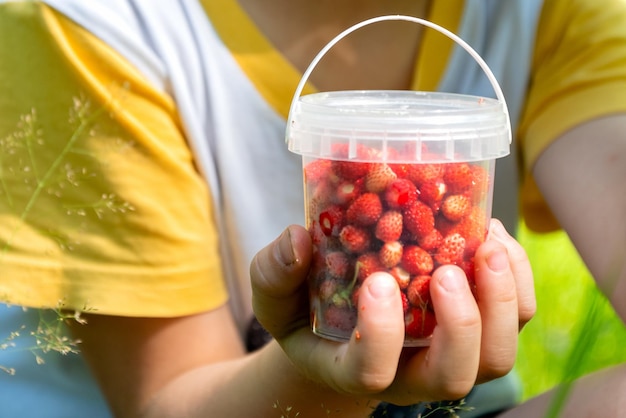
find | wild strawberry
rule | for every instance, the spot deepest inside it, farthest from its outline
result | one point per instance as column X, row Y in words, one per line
column 401, row 275
column 416, row 261
column 419, row 219
column 347, row 163
column 367, row 264
column 469, row 268
column 431, row 241
column 378, row 177
column 405, row 303
column 480, row 184
column 423, row 173
column 455, row 207
column 339, row 318
column 400, row 193
column 347, row 167
column 337, row 264
column 418, row 291
column 432, row 193
column 473, row 228
column 318, row 200
column 419, row 323
column 451, row 250
column 317, row 171
column 458, row 177
column 331, row 221
column 401, row 170
column 326, row 290
column 389, row 226
column 365, row 210
column 354, row 239
column 347, row 190
column 350, row 170
column 390, row 254
column 317, row 235
column 444, row 225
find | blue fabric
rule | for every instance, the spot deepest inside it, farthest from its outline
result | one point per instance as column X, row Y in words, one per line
column 27, row 394
column 483, row 401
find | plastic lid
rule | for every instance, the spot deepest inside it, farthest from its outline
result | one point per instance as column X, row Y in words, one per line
column 399, row 126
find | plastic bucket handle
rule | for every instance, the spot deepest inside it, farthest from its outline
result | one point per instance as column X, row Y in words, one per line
column 483, row 65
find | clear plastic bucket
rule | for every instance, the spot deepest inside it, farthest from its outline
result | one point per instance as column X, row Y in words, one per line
column 395, row 181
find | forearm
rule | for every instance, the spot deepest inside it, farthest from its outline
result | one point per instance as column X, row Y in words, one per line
column 582, row 177
column 598, row 395
column 263, row 384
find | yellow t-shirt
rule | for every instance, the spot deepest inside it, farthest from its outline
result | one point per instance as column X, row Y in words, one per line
column 101, row 206
column 578, row 73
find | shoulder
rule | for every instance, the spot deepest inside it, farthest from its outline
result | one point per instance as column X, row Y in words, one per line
column 149, row 34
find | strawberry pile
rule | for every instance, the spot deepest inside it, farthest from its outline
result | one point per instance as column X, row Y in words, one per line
column 405, row 219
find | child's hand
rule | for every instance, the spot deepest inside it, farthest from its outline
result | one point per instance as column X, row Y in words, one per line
column 475, row 338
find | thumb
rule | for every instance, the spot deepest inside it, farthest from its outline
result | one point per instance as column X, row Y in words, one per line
column 278, row 273
column 369, row 363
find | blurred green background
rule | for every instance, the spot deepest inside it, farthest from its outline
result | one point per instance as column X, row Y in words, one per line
column 575, row 330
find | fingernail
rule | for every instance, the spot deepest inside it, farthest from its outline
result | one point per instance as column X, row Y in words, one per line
column 499, row 231
column 498, row 260
column 285, row 252
column 451, row 281
column 380, row 287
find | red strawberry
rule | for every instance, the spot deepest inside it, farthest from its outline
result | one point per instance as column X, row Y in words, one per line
column 423, row 173
column 473, row 228
column 378, row 177
column 390, row 254
column 469, row 268
column 444, row 226
column 401, row 170
column 451, row 249
column 416, row 261
column 419, row 323
column 419, row 219
column 317, row 235
column 458, row 177
column 365, row 210
column 348, row 168
column 480, row 184
column 432, row 193
column 317, row 171
column 455, row 207
column 367, row 264
column 337, row 264
column 354, row 239
column 389, row 226
column 338, row 318
column 431, row 241
column 318, row 198
column 418, row 291
column 331, row 221
column 405, row 303
column 400, row 193
column 401, row 275
column 347, row 190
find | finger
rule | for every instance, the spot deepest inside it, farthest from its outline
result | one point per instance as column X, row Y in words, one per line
column 522, row 271
column 448, row 368
column 278, row 272
column 496, row 295
column 367, row 363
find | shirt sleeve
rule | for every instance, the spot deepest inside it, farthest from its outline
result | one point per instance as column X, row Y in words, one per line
column 102, row 208
column 578, row 74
